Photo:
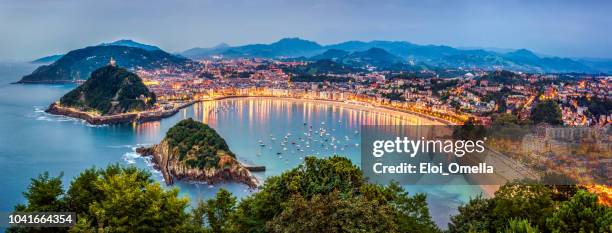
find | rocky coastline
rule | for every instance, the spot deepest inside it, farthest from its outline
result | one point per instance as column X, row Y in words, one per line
column 56, row 109
column 172, row 169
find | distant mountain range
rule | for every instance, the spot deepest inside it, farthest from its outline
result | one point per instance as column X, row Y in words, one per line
column 127, row 43
column 78, row 64
column 47, row 59
column 357, row 55
column 351, row 52
column 133, row 44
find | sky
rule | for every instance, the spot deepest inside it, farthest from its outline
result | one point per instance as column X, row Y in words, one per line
column 34, row 28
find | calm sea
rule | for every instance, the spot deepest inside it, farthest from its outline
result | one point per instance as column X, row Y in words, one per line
column 277, row 133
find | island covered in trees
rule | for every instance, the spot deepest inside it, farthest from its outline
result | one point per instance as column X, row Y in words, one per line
column 193, row 151
column 111, row 95
column 110, row 90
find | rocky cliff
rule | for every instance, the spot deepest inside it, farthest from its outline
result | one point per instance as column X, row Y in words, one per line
column 171, row 167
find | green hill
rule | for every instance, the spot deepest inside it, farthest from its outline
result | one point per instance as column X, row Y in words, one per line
column 197, row 144
column 110, row 90
column 78, row 64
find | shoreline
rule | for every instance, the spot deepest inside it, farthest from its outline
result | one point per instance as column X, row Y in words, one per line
column 140, row 117
column 356, row 106
column 158, row 115
column 487, row 190
column 172, row 169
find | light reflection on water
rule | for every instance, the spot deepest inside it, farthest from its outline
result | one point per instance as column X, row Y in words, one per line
column 33, row 142
column 255, row 129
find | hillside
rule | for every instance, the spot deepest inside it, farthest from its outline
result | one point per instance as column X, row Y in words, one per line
column 321, row 67
column 47, row 59
column 431, row 55
column 199, row 53
column 374, row 57
column 125, row 42
column 78, row 64
column 192, row 150
column 286, row 47
column 110, row 90
column 131, row 43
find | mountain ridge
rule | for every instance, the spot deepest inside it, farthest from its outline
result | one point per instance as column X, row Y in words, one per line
column 432, row 55
column 122, row 42
column 131, row 43
column 79, row 64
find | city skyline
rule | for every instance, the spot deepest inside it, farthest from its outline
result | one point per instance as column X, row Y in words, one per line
column 553, row 28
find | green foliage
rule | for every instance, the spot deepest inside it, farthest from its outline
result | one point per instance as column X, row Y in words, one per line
column 520, row 226
column 597, row 106
column 475, row 216
column 319, row 78
column 80, row 63
column 321, row 67
column 115, row 199
column 332, row 181
column 44, row 194
column 130, row 205
column 530, row 207
column 503, row 77
column 469, row 130
column 333, row 213
column 394, row 95
column 189, row 137
column 506, row 120
column 532, row 202
column 322, row 195
column 546, row 112
column 581, row 213
column 107, row 86
column 214, row 214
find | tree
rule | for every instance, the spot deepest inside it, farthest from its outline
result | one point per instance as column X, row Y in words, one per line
column 45, row 194
column 506, row 119
column 532, row 202
column 470, row 130
column 130, row 205
column 115, row 199
column 475, row 216
column 546, row 112
column 83, row 191
column 581, row 213
column 333, row 213
column 215, row 213
column 520, row 226
column 336, row 181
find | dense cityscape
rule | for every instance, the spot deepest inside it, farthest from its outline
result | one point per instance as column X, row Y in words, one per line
column 482, row 95
column 478, row 96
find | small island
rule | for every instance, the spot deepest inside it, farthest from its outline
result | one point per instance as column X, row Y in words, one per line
column 193, row 151
column 112, row 95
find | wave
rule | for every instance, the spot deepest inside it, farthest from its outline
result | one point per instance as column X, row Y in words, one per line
column 130, row 157
column 40, row 115
column 131, row 146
